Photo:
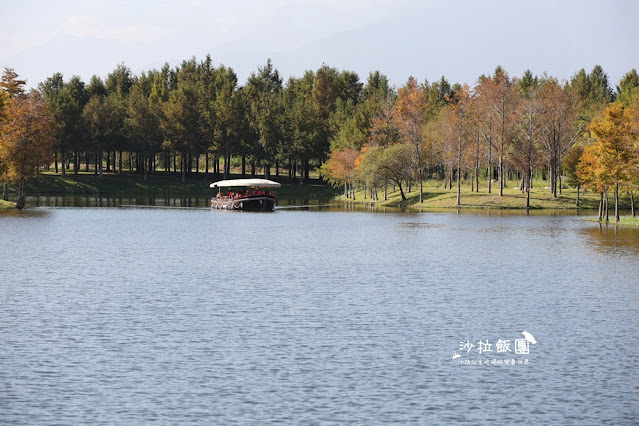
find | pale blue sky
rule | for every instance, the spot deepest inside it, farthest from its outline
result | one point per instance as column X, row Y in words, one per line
column 460, row 39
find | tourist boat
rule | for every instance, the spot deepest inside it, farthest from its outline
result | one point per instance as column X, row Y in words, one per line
column 245, row 194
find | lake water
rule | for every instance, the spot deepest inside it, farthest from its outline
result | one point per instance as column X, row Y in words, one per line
column 323, row 316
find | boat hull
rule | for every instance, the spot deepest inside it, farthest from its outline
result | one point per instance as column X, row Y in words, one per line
column 255, row 204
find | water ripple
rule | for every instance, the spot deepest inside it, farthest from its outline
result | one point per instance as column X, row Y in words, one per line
column 128, row 316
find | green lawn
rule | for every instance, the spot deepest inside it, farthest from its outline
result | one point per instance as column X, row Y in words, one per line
column 629, row 221
column 436, row 196
column 7, row 205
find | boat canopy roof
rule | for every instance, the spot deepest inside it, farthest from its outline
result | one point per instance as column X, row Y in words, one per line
column 251, row 183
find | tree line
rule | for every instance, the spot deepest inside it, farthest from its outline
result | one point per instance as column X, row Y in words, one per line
column 196, row 116
column 502, row 126
column 173, row 118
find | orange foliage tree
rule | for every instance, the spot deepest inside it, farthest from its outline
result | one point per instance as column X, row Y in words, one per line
column 632, row 112
column 340, row 168
column 609, row 161
column 411, row 108
column 501, row 98
column 26, row 139
column 591, row 175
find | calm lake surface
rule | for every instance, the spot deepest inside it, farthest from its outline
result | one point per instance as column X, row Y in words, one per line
column 323, row 316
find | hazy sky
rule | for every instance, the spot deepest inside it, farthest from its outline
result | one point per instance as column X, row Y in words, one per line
column 426, row 39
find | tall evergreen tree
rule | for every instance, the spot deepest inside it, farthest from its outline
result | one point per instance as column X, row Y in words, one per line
column 265, row 107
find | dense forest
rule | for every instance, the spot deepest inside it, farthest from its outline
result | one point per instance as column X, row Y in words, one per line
column 196, row 118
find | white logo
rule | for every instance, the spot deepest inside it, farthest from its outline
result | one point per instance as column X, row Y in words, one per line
column 529, row 337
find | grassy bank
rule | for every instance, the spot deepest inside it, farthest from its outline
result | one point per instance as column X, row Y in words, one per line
column 160, row 186
column 436, row 196
column 7, row 205
column 625, row 221
column 629, row 221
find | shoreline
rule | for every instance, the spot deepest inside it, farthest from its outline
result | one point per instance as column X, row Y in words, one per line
column 436, row 196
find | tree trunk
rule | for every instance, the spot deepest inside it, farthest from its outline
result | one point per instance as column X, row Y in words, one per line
column 421, row 186
column 617, row 202
column 477, row 162
column 183, row 167
column 550, row 176
column 100, row 163
column 528, row 192
column 554, row 179
column 632, row 203
column 459, row 181
column 146, row 166
column 20, row 203
column 500, row 170
column 578, row 191
column 600, row 213
column 450, row 178
column 243, row 165
column 401, row 191
column 606, row 207
column 532, row 174
column 5, row 191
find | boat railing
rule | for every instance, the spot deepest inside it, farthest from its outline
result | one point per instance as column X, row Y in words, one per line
column 240, row 196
